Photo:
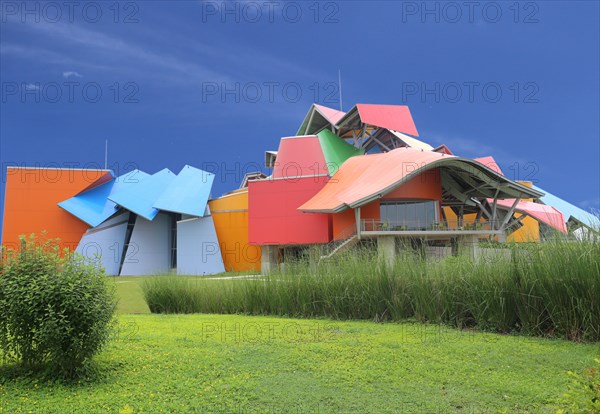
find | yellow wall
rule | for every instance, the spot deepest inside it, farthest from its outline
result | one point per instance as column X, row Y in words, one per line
column 531, row 227
column 467, row 219
column 530, row 232
column 230, row 215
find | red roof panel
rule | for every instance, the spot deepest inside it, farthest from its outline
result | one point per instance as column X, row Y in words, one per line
column 273, row 216
column 394, row 117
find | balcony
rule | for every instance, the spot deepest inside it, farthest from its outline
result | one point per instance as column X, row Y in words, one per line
column 442, row 229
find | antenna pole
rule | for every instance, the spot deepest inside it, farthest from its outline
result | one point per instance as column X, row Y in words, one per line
column 340, row 87
column 105, row 154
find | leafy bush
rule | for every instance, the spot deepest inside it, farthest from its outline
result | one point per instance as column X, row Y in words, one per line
column 584, row 392
column 56, row 312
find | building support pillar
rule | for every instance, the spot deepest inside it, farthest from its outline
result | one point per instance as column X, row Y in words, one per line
column 502, row 237
column 268, row 259
column 386, row 249
column 314, row 256
column 469, row 246
column 357, row 220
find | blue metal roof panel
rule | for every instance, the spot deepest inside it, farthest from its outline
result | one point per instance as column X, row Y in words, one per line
column 188, row 193
column 93, row 206
column 569, row 210
column 140, row 198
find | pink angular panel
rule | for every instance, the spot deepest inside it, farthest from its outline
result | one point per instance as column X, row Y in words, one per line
column 299, row 157
column 332, row 115
column 546, row 214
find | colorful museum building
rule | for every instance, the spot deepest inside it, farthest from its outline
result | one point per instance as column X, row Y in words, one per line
column 344, row 179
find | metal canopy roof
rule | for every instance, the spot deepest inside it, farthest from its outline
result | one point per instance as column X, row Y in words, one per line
column 570, row 211
column 387, row 140
column 546, row 214
column 92, row 206
column 491, row 163
column 187, row 193
column 361, row 180
column 140, row 198
column 392, row 117
column 105, row 178
column 319, row 117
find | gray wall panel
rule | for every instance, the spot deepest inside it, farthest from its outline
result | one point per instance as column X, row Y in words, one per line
column 198, row 251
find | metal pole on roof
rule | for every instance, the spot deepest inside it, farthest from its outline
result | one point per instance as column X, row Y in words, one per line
column 105, row 154
column 340, row 87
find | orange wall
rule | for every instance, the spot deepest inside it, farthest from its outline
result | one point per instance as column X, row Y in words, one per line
column 230, row 215
column 343, row 221
column 30, row 206
column 425, row 186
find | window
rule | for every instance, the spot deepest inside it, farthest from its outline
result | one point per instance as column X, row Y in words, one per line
column 409, row 215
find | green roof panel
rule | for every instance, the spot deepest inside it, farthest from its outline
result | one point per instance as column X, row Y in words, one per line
column 335, row 150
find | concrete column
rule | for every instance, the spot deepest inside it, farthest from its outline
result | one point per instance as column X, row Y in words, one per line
column 469, row 246
column 268, row 260
column 314, row 256
column 386, row 249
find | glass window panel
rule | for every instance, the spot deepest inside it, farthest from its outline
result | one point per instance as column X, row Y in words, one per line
column 411, row 215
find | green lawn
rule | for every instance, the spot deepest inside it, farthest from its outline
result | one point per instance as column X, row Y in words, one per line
column 244, row 364
column 131, row 298
column 129, row 292
column 228, row 363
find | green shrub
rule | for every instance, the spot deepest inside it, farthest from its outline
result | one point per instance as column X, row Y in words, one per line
column 56, row 312
column 583, row 396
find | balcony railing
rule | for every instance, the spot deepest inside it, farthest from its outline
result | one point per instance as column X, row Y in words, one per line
column 368, row 225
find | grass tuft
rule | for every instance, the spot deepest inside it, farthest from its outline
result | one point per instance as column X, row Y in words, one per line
column 550, row 289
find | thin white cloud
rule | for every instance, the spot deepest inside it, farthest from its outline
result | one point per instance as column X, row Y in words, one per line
column 32, row 87
column 122, row 53
column 204, row 61
column 43, row 55
column 70, row 73
column 592, row 204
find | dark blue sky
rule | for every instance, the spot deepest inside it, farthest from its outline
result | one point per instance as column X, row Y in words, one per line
column 214, row 84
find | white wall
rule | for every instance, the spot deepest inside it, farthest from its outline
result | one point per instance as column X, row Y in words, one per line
column 103, row 245
column 149, row 249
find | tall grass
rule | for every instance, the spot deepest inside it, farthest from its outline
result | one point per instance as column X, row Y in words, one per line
column 550, row 289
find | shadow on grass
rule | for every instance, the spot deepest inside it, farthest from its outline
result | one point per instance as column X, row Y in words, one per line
column 95, row 373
